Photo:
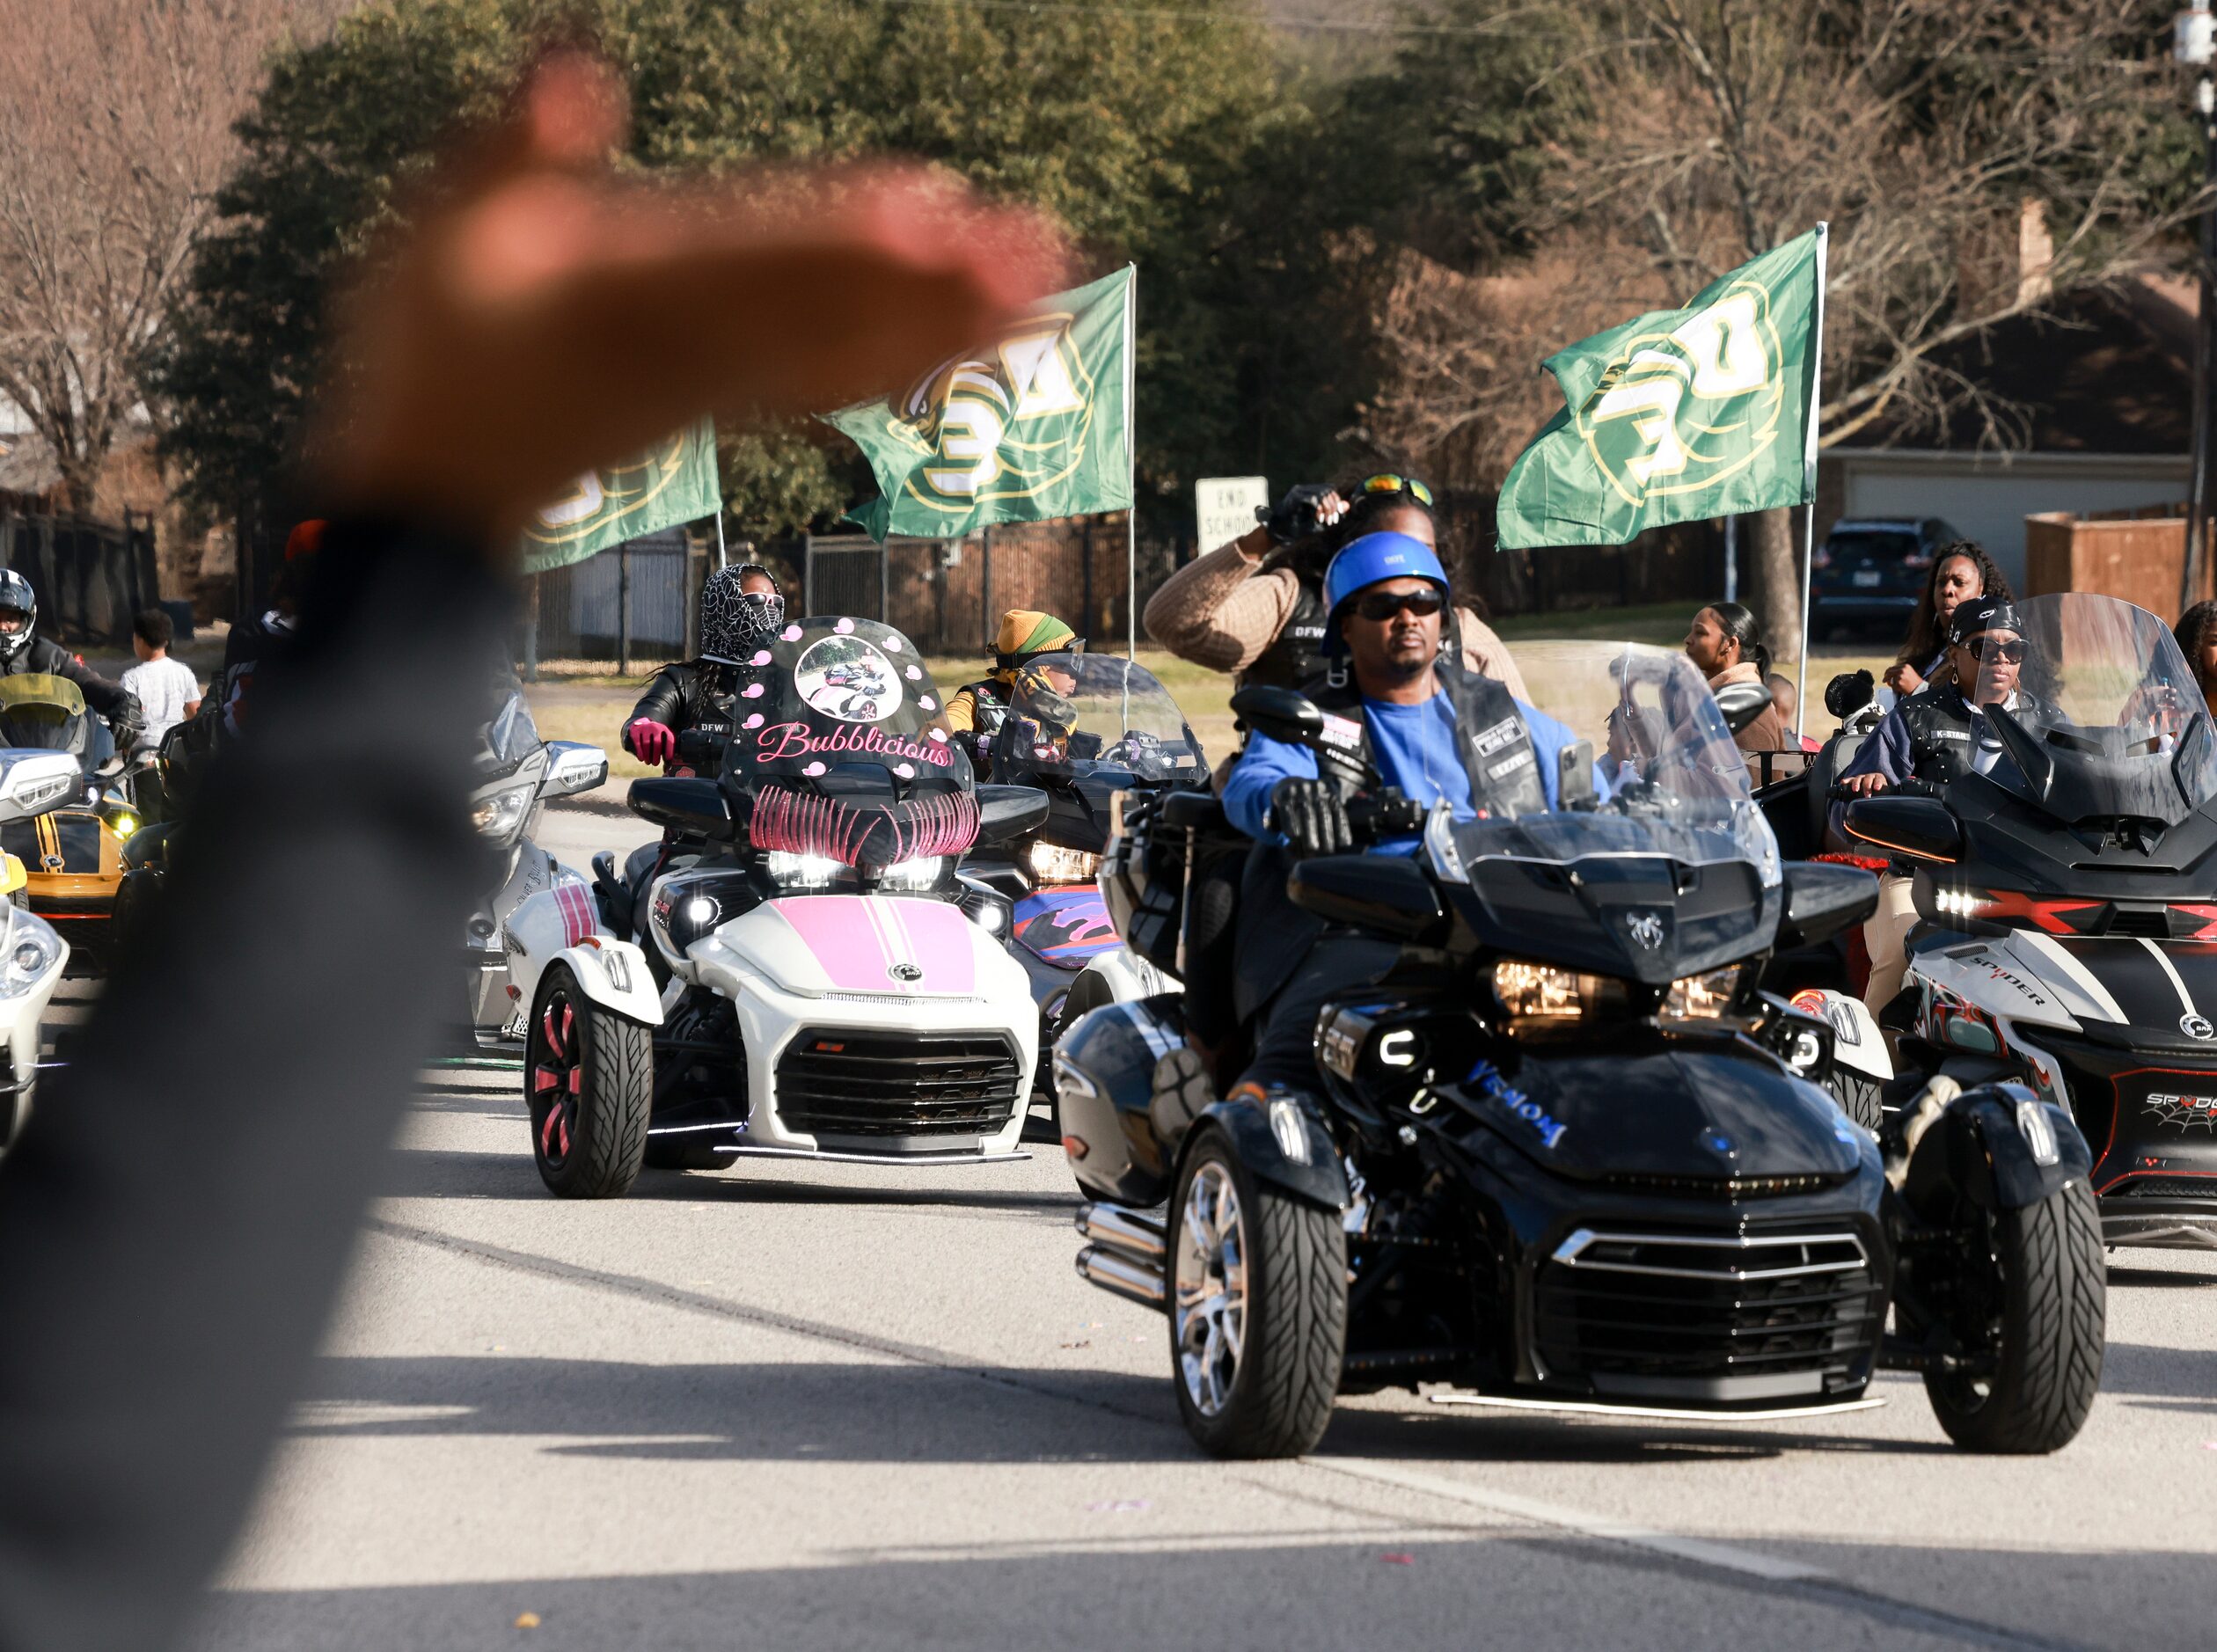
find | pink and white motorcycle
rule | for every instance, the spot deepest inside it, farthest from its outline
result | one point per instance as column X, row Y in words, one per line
column 822, row 984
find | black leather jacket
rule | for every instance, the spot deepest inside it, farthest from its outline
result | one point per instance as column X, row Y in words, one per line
column 692, row 694
column 111, row 700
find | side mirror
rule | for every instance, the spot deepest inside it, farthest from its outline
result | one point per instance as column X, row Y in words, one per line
column 1919, row 827
column 1823, row 899
column 1849, row 693
column 33, row 782
column 687, row 805
column 1285, row 714
column 1742, row 703
column 572, row 766
column 1007, row 812
column 1574, row 775
column 1387, row 895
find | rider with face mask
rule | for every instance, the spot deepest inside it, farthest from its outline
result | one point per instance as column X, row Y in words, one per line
column 742, row 610
column 22, row 652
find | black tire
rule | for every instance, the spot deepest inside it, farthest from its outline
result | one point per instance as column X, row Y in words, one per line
column 1273, row 1398
column 589, row 1082
column 1858, row 1098
column 681, row 1152
column 2052, row 1303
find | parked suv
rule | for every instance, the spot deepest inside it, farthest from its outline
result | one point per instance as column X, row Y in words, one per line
column 1870, row 570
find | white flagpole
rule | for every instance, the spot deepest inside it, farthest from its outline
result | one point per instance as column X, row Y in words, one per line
column 1808, row 475
column 721, row 554
column 1131, row 460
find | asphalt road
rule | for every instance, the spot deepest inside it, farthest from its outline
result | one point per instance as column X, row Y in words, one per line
column 850, row 1408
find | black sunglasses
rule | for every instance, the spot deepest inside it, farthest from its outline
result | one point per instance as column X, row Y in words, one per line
column 1389, row 483
column 2009, row 651
column 1381, row 605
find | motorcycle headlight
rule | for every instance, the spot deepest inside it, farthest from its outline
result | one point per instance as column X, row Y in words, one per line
column 1701, row 998
column 1051, row 863
column 922, row 873
column 499, row 817
column 1540, row 1000
column 790, row 871
column 32, row 950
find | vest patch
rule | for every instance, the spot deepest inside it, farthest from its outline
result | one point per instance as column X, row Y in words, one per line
column 1508, row 766
column 1505, row 732
column 1343, row 734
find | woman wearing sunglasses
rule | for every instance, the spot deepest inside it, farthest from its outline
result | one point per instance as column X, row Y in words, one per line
column 1255, row 607
column 1936, row 736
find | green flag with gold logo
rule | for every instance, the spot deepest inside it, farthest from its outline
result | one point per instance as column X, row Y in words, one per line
column 1681, row 414
column 1034, row 426
column 675, row 481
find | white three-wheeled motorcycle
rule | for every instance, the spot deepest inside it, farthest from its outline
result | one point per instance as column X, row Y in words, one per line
column 802, row 974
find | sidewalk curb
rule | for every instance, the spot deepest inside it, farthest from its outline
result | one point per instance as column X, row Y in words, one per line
column 592, row 803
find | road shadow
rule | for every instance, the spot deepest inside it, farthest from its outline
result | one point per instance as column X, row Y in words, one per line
column 1141, row 1577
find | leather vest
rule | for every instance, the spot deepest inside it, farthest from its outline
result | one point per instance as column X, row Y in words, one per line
column 1938, row 724
column 1496, row 746
column 992, row 699
column 1296, row 653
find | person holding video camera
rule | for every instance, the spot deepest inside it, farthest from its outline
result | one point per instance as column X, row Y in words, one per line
column 1255, row 607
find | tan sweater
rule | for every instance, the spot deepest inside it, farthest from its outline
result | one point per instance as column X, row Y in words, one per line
column 1220, row 612
column 1767, row 732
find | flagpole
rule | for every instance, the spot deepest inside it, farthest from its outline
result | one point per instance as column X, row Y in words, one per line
column 723, row 556
column 1808, row 475
column 1132, row 461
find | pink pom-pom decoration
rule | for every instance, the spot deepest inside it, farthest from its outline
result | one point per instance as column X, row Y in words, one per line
column 754, row 720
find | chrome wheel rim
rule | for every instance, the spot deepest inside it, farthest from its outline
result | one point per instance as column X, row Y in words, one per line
column 1209, row 1311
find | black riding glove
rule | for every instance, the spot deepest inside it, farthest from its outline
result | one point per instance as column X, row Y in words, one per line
column 1294, row 516
column 1311, row 815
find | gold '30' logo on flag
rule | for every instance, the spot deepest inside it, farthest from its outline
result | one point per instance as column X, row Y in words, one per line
column 1679, row 410
column 1004, row 426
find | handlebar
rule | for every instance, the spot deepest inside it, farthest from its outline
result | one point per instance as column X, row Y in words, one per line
column 1384, row 813
column 696, row 749
column 1910, row 787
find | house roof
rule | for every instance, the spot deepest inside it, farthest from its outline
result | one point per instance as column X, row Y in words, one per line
column 2108, row 372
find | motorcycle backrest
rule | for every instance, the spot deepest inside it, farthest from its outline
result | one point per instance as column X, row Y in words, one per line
column 685, row 804
column 1286, row 715
column 1008, row 813
column 1919, row 827
column 1388, row 894
column 32, row 782
column 573, row 766
column 1823, row 899
column 1742, row 703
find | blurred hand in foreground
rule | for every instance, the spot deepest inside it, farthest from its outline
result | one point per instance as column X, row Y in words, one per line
column 543, row 314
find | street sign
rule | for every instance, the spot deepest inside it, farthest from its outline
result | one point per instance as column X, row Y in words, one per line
column 1223, row 507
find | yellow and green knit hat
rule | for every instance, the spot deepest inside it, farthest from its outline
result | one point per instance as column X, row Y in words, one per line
column 1025, row 631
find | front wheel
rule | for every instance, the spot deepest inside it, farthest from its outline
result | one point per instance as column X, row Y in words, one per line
column 1258, row 1309
column 2045, row 1302
column 590, row 1083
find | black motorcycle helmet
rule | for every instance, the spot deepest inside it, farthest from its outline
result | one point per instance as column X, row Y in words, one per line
column 16, row 593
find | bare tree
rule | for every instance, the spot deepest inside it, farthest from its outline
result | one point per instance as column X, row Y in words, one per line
column 1976, row 159
column 114, row 131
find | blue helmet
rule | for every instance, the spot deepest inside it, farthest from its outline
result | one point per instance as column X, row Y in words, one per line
column 1367, row 560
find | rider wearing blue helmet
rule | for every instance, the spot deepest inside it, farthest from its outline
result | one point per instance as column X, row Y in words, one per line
column 1436, row 732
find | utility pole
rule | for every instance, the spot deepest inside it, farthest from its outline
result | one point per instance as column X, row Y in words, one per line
column 2194, row 44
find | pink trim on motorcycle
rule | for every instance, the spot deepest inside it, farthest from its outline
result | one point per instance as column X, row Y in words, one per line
column 885, row 944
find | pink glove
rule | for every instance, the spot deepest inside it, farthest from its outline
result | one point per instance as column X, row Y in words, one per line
column 650, row 742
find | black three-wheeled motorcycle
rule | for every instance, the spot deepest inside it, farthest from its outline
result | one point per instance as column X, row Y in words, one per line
column 1566, row 1153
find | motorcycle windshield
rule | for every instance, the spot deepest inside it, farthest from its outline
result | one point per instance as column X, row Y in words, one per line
column 510, row 735
column 2090, row 710
column 41, row 712
column 1672, row 783
column 1082, row 714
column 841, row 747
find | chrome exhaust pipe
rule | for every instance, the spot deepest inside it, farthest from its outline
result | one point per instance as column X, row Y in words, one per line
column 1115, row 1229
column 1121, row 1277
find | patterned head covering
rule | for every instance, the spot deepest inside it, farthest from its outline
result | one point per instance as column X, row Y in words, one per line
column 734, row 623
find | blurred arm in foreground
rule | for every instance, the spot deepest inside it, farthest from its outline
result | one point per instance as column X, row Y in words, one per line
column 176, row 1221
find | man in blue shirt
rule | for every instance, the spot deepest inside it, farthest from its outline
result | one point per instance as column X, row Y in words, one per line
column 1430, row 728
